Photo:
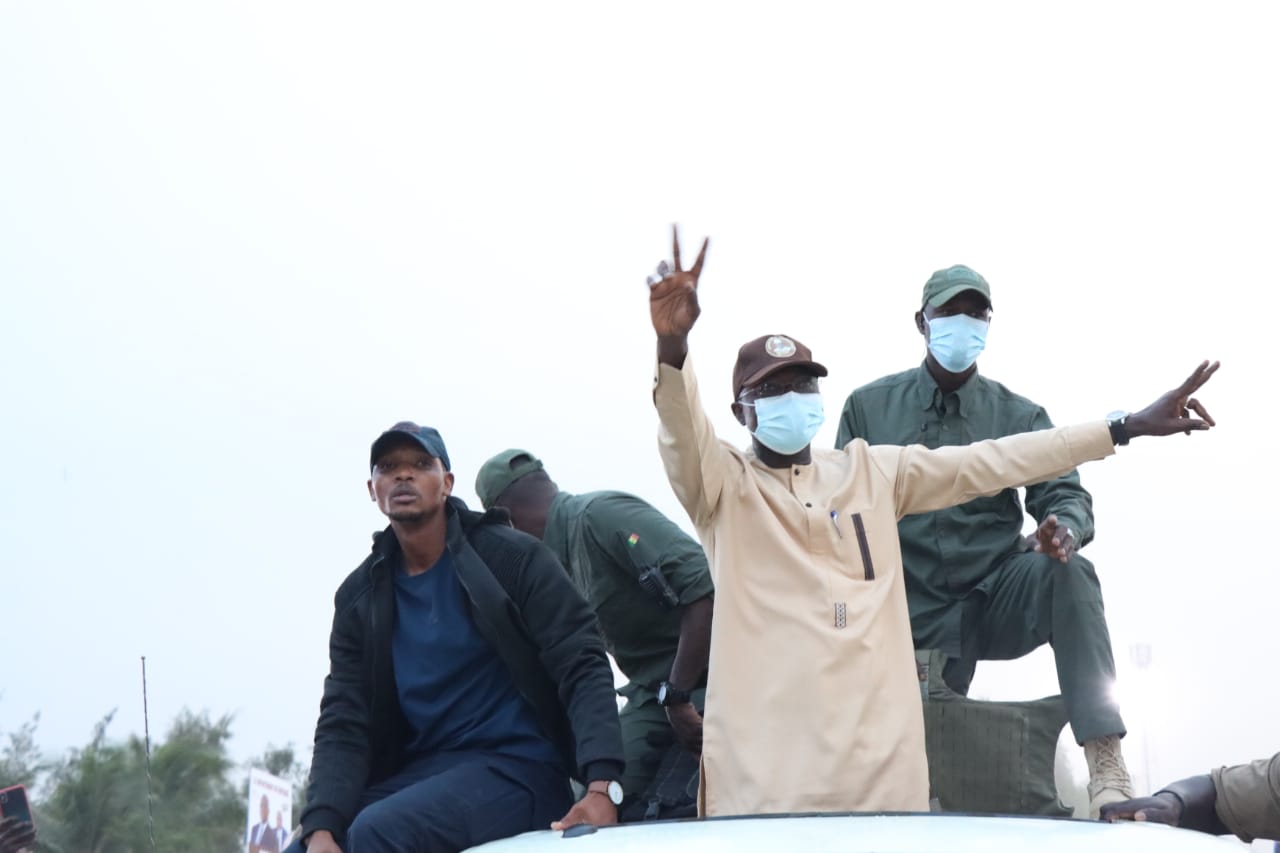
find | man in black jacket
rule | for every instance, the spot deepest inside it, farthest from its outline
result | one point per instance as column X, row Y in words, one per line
column 467, row 679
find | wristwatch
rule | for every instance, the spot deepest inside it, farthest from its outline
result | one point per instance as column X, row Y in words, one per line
column 669, row 694
column 1119, row 432
column 612, row 790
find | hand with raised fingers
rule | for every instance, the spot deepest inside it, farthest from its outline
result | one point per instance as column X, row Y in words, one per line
column 1055, row 540
column 673, row 297
column 1172, row 412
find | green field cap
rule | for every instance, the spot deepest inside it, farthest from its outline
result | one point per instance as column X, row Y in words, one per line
column 945, row 284
column 497, row 474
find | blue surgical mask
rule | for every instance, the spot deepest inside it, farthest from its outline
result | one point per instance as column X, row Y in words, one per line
column 956, row 341
column 787, row 423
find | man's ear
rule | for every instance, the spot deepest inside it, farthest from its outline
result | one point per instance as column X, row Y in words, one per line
column 921, row 326
column 372, row 497
column 736, row 408
column 448, row 483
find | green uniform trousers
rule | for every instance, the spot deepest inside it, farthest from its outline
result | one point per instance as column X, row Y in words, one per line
column 1030, row 600
column 646, row 734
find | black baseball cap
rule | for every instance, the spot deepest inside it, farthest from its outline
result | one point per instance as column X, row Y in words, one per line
column 426, row 436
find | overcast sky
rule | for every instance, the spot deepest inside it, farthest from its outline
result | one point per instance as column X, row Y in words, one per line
column 239, row 239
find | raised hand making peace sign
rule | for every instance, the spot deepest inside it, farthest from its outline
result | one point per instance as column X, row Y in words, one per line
column 673, row 298
column 1172, row 412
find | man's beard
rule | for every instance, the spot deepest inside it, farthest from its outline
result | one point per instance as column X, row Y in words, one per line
column 411, row 517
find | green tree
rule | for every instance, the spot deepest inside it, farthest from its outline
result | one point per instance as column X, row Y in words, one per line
column 197, row 807
column 98, row 802
column 93, row 802
column 20, row 760
column 96, row 798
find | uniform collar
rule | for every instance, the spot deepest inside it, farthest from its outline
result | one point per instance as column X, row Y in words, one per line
column 928, row 394
column 556, row 534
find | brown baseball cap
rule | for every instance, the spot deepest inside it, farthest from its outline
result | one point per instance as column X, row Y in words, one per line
column 768, row 354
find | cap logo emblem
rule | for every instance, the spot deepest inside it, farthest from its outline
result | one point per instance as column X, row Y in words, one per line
column 780, row 346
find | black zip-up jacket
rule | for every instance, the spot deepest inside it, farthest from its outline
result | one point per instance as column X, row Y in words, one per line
column 528, row 610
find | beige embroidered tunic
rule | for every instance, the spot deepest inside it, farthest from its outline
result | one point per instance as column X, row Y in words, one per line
column 812, row 700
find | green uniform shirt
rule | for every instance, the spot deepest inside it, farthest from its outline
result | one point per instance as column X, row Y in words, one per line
column 947, row 554
column 606, row 540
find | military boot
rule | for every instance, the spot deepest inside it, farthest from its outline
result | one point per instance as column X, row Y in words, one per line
column 1109, row 780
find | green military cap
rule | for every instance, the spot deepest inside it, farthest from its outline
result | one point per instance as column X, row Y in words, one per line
column 944, row 284
column 497, row 474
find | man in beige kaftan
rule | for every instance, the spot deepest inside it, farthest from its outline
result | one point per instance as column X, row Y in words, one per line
column 812, row 698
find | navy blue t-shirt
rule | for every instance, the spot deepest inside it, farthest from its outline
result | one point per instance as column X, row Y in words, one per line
column 453, row 688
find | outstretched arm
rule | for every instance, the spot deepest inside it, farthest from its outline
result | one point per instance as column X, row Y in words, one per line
column 932, row 479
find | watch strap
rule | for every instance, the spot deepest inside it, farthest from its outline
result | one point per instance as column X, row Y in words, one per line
column 607, row 789
column 669, row 694
column 1119, row 432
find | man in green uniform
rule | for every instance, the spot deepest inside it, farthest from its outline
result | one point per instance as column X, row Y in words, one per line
column 651, row 590
column 976, row 588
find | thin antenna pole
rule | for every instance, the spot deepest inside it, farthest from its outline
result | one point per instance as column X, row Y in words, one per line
column 146, row 730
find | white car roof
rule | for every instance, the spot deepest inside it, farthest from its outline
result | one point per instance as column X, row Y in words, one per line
column 865, row 833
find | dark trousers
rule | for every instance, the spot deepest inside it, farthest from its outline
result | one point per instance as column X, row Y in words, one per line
column 1031, row 600
column 646, row 734
column 451, row 801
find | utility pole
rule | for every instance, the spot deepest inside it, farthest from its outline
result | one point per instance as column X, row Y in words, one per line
column 1140, row 657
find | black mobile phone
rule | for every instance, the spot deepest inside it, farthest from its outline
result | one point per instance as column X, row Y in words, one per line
column 13, row 803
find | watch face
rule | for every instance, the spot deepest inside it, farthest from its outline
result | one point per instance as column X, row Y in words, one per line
column 615, row 793
column 662, row 693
